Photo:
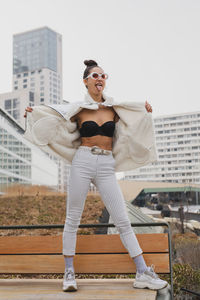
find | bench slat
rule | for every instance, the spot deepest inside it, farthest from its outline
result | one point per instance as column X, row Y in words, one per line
column 90, row 289
column 84, row 263
column 157, row 242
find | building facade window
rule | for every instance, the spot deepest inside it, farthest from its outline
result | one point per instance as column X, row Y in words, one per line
column 7, row 104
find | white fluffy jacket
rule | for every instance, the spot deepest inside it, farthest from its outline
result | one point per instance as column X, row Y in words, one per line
column 50, row 128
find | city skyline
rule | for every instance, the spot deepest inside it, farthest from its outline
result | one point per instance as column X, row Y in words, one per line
column 150, row 49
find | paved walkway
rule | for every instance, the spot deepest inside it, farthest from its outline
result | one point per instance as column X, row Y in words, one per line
column 88, row 289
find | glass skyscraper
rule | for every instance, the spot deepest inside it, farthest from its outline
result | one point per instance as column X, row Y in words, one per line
column 37, row 65
column 34, row 50
column 37, row 68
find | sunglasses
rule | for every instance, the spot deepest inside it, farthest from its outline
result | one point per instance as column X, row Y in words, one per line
column 95, row 75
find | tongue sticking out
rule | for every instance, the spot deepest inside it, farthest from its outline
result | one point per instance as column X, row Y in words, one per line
column 99, row 87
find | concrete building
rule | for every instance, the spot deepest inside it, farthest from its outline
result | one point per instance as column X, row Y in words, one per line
column 37, row 69
column 178, row 147
column 131, row 189
column 20, row 161
column 37, row 78
column 37, row 65
column 14, row 103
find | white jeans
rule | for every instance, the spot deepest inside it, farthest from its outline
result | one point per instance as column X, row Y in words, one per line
column 99, row 169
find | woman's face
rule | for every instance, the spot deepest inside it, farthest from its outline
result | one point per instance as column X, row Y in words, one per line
column 95, row 86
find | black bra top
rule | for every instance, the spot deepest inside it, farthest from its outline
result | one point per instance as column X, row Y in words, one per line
column 91, row 128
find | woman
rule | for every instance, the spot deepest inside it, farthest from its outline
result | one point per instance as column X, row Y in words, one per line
column 93, row 161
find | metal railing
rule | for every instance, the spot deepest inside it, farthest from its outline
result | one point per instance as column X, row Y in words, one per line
column 190, row 292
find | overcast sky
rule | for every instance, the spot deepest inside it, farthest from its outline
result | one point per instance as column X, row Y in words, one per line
column 150, row 48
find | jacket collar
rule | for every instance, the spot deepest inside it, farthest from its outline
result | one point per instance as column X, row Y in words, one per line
column 108, row 100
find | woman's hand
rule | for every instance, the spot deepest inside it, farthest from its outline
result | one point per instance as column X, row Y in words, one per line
column 148, row 107
column 28, row 109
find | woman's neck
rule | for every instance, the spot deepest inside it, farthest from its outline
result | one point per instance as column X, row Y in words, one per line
column 97, row 97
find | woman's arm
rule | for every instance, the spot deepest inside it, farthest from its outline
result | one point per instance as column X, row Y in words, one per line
column 116, row 117
column 75, row 118
column 148, row 107
column 28, row 109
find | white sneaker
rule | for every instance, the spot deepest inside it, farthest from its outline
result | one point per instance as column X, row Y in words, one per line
column 149, row 279
column 69, row 282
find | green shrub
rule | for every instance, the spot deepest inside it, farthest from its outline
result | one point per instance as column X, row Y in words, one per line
column 184, row 276
column 186, row 249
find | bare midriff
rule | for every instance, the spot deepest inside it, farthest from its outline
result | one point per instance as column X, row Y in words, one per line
column 103, row 142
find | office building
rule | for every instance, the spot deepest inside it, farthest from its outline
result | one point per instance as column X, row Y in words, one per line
column 37, row 65
column 37, row 68
column 178, row 148
column 20, row 161
column 12, row 103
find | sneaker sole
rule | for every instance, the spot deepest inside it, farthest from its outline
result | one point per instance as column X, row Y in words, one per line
column 142, row 285
column 70, row 288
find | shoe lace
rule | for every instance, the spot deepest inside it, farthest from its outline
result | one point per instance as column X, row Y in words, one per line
column 152, row 272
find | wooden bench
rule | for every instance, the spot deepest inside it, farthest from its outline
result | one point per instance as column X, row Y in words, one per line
column 95, row 254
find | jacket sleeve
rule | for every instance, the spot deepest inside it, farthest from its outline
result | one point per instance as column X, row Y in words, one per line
column 51, row 132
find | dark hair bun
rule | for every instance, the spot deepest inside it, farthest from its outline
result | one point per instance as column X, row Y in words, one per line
column 90, row 63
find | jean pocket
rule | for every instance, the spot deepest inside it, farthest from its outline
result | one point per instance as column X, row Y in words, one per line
column 113, row 161
column 80, row 157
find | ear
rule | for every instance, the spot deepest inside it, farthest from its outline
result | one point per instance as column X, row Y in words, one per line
column 85, row 82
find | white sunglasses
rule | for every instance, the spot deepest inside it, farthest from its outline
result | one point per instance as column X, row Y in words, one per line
column 95, row 75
